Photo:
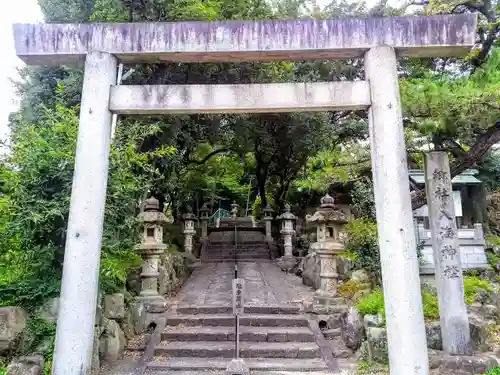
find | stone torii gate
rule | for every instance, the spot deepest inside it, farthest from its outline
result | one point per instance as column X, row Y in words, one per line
column 378, row 40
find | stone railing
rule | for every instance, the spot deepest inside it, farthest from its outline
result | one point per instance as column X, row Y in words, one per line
column 471, row 242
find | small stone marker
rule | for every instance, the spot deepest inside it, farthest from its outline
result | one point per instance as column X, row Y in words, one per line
column 238, row 299
column 450, row 286
column 237, row 367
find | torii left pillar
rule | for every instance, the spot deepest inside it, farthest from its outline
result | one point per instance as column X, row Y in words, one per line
column 77, row 309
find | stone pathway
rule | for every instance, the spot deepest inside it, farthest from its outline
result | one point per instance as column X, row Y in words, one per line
column 276, row 338
column 266, row 284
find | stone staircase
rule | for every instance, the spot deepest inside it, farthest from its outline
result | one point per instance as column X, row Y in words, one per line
column 202, row 339
column 246, row 252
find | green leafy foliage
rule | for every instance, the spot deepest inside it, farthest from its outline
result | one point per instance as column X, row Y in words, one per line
column 373, row 304
column 362, row 244
column 38, row 177
column 430, row 304
column 493, row 371
column 40, row 334
column 474, row 285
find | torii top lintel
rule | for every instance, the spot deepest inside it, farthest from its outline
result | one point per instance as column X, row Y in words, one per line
column 305, row 39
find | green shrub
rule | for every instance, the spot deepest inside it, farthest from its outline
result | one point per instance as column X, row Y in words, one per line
column 256, row 206
column 40, row 333
column 430, row 304
column 373, row 304
column 493, row 371
column 349, row 288
column 474, row 285
column 30, row 292
column 362, row 245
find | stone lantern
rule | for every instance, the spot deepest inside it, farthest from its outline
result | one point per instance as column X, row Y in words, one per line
column 204, row 217
column 268, row 217
column 329, row 221
column 235, row 208
column 287, row 219
column 189, row 230
column 150, row 248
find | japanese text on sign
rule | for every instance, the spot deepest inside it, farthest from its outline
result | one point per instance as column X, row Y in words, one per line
column 238, row 296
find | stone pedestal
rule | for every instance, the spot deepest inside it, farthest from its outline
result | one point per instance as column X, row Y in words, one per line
column 150, row 249
column 189, row 231
column 452, row 310
column 204, row 217
column 287, row 231
column 235, row 209
column 268, row 218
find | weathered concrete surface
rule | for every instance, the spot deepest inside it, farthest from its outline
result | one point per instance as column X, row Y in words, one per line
column 276, row 97
column 398, row 258
column 79, row 289
column 211, row 285
column 446, row 249
column 306, row 39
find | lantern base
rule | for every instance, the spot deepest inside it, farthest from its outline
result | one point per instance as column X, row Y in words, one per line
column 153, row 304
column 287, row 263
column 322, row 297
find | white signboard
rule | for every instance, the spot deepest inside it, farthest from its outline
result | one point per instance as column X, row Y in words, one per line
column 238, row 296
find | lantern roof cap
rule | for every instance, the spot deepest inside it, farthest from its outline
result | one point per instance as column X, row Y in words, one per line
column 287, row 215
column 152, row 204
column 189, row 214
column 328, row 212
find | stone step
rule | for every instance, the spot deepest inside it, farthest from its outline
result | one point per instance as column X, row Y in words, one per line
column 226, row 320
column 238, row 256
column 238, row 259
column 221, row 349
column 330, row 334
column 198, row 365
column 227, row 260
column 249, row 309
column 239, row 251
column 239, row 244
column 249, row 334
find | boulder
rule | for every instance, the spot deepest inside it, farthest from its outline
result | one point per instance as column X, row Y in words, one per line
column 26, row 366
column 287, row 264
column 48, row 311
column 486, row 312
column 127, row 325
column 12, row 324
column 479, row 332
column 134, row 281
column 433, row 333
column 114, row 306
column 461, row 364
column 377, row 344
column 353, row 331
column 112, row 341
column 373, row 320
column 339, row 349
column 360, row 276
column 310, row 270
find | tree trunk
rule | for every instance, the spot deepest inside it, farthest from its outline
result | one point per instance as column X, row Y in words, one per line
column 261, row 174
column 476, row 152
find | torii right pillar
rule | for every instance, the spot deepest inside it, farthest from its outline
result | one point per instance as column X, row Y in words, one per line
column 407, row 343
